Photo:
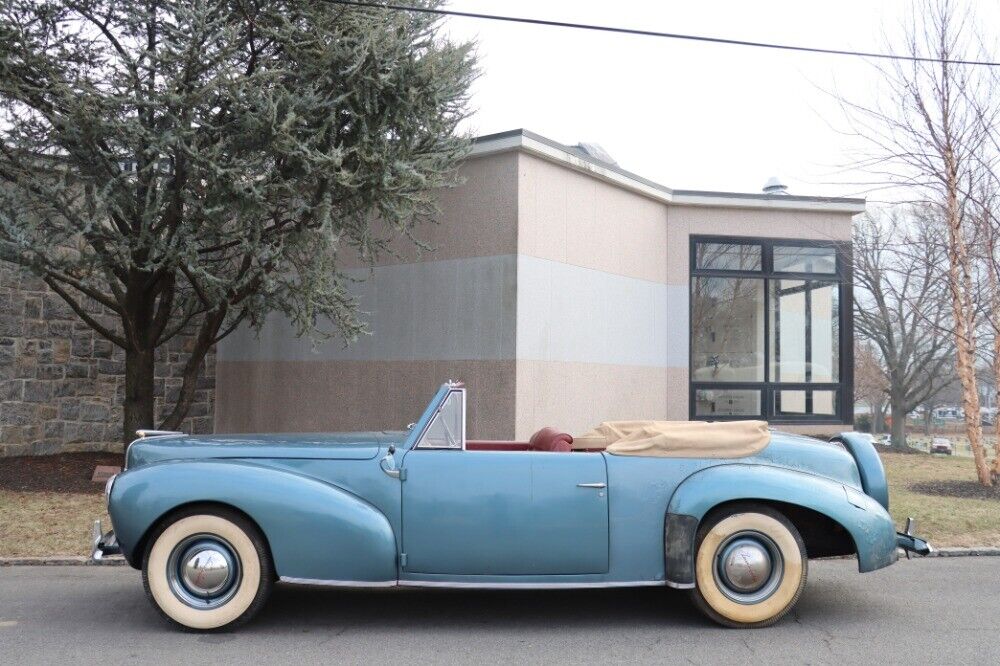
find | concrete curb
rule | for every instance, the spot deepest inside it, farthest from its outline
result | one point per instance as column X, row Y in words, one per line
column 117, row 561
column 61, row 561
column 975, row 551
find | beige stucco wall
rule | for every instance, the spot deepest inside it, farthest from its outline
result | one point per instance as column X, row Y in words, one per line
column 578, row 219
column 685, row 221
column 477, row 218
column 270, row 384
column 596, row 251
column 574, row 397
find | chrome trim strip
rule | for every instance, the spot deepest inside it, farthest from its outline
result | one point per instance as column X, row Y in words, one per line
column 472, row 585
column 144, row 434
column 337, row 583
column 530, row 586
column 679, row 586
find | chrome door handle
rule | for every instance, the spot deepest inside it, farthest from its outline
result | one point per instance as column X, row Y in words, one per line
column 388, row 463
column 591, row 485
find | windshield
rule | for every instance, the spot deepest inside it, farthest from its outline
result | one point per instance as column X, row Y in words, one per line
column 446, row 428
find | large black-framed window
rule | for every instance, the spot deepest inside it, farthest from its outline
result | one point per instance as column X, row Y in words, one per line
column 771, row 332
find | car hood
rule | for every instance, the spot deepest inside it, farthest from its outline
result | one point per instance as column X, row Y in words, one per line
column 317, row 446
column 815, row 456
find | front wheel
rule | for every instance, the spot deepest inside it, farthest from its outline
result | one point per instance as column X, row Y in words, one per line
column 207, row 568
column 750, row 566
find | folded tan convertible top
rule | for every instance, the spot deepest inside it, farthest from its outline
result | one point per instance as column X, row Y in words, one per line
column 677, row 439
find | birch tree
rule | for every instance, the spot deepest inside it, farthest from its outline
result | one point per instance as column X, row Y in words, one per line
column 196, row 164
column 927, row 136
column 985, row 208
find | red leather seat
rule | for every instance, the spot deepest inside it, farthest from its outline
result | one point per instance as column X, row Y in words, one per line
column 550, row 439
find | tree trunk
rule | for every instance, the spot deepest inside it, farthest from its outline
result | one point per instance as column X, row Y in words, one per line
column 207, row 333
column 140, row 369
column 898, row 412
column 928, row 415
column 192, row 371
column 963, row 315
column 995, row 471
column 995, row 321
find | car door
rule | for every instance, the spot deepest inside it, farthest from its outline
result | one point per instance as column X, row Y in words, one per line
column 502, row 512
column 505, row 513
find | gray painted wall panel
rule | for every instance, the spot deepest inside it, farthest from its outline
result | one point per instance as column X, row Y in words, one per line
column 466, row 309
column 459, row 309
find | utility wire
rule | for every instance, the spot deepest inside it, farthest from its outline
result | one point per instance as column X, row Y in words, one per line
column 654, row 33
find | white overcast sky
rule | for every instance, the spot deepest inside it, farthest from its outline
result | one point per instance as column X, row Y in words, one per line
column 684, row 114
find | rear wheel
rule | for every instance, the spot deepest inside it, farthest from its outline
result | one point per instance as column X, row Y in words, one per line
column 207, row 569
column 750, row 566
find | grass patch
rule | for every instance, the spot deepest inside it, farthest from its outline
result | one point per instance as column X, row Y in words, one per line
column 943, row 520
column 37, row 524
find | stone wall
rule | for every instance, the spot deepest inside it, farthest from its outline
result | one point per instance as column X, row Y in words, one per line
column 62, row 385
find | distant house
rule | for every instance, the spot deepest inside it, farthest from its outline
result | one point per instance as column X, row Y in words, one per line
column 564, row 291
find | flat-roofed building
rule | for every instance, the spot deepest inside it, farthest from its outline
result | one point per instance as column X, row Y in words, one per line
column 564, row 290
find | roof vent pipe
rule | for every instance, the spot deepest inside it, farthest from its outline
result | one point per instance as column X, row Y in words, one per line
column 775, row 186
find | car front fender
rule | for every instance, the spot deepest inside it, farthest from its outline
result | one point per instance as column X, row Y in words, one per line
column 867, row 522
column 316, row 531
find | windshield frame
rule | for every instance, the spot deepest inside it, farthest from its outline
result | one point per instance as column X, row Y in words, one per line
column 442, row 404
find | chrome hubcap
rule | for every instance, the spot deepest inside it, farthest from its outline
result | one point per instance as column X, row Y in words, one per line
column 748, row 567
column 204, row 571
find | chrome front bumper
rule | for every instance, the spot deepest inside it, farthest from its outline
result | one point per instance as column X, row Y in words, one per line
column 102, row 543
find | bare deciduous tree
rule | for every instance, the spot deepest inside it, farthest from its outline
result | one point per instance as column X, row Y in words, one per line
column 901, row 308
column 871, row 382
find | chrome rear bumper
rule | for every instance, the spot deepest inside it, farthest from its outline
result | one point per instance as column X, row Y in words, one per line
column 913, row 544
column 102, row 543
column 910, row 543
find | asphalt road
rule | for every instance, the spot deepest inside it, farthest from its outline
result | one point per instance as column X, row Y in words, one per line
column 939, row 610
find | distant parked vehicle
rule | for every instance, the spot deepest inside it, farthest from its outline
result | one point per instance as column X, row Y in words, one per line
column 942, row 445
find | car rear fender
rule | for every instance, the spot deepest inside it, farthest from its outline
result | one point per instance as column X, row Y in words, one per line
column 316, row 531
column 869, row 465
column 865, row 519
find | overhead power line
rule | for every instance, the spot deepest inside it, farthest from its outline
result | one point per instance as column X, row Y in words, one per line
column 654, row 33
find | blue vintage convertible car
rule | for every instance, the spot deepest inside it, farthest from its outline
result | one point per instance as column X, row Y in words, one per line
column 214, row 521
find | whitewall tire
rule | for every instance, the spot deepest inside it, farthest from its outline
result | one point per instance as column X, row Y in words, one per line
column 207, row 569
column 750, row 566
